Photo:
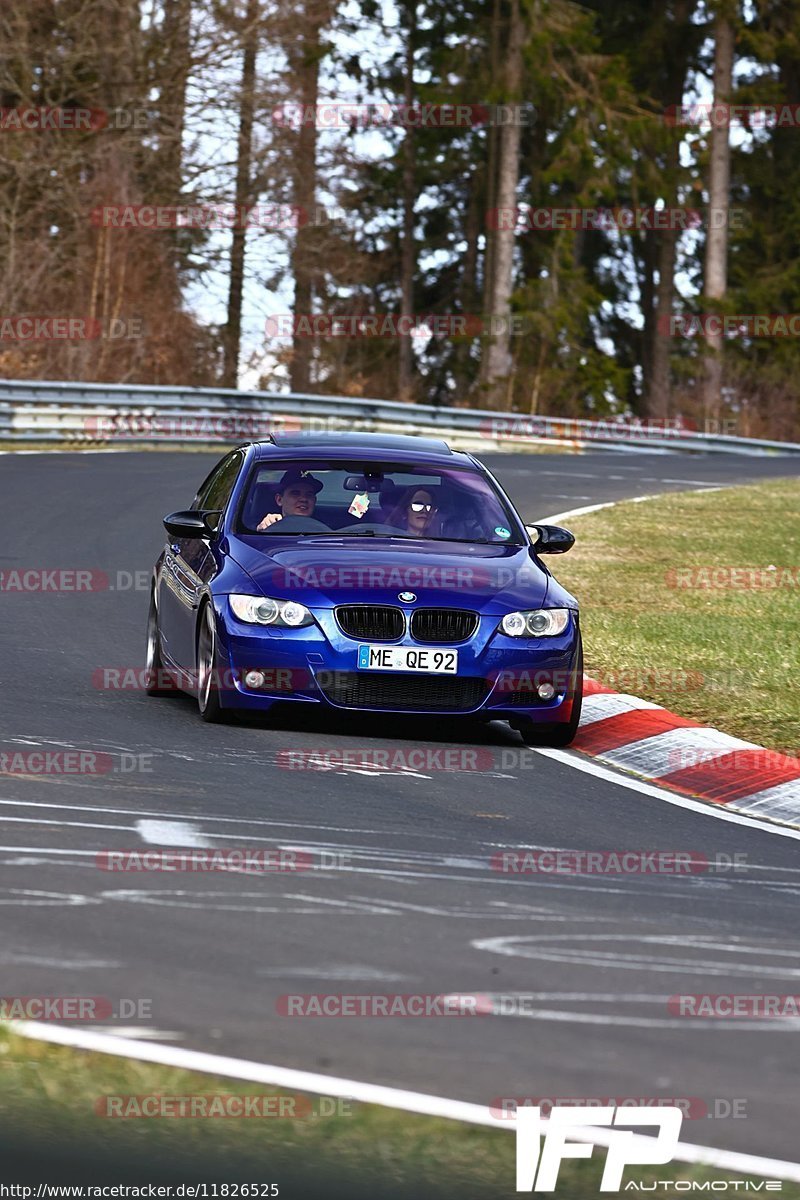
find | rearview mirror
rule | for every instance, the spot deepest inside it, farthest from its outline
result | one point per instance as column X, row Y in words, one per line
column 550, row 539
column 363, row 483
column 189, row 523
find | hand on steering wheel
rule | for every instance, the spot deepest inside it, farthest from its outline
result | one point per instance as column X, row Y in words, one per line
column 269, row 519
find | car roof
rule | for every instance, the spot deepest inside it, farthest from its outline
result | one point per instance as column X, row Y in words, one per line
column 393, row 446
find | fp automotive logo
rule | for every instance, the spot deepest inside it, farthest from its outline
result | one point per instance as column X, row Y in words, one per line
column 624, row 1148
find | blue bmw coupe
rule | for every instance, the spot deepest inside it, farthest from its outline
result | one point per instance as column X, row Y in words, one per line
column 364, row 572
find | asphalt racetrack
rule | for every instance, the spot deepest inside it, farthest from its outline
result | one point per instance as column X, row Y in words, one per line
column 414, row 906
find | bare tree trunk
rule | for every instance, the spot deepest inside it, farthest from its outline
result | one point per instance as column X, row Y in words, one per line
column 497, row 362
column 174, row 68
column 408, row 255
column 658, row 390
column 716, row 260
column 661, row 246
column 244, row 156
column 491, row 166
column 305, row 60
column 658, row 396
column 174, row 75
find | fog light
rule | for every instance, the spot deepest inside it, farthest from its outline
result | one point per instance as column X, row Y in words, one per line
column 254, row 679
column 546, row 691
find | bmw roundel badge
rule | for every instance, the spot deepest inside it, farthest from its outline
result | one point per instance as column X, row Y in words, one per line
column 407, row 597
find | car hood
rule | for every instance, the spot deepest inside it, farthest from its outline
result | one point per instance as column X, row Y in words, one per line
column 325, row 572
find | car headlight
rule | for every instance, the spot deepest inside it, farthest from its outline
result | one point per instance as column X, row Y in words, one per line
column 263, row 610
column 539, row 622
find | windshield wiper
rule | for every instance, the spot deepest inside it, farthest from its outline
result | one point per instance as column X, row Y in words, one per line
column 471, row 541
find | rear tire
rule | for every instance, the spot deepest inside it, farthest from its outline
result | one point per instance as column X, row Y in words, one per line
column 559, row 733
column 154, row 672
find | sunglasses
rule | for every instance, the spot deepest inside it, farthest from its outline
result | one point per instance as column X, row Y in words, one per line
column 418, row 508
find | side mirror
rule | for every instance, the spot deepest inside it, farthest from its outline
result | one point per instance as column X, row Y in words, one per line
column 550, row 539
column 188, row 523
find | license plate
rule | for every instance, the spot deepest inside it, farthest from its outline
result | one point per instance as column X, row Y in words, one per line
column 407, row 658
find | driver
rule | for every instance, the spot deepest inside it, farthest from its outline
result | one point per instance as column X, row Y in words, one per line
column 296, row 496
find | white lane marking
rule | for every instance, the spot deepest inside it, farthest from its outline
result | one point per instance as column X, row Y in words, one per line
column 9, row 958
column 603, row 704
column 702, row 483
column 372, row 1093
column 623, row 889
column 769, row 1025
column 705, row 809
column 63, row 824
column 576, row 512
column 580, row 512
column 263, row 901
column 509, row 910
column 674, row 750
column 144, row 1032
column 559, row 474
column 553, row 948
column 225, row 902
column 134, row 812
column 352, row 973
column 24, row 898
column 172, row 833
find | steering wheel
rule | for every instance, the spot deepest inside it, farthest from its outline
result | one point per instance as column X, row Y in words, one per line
column 295, row 524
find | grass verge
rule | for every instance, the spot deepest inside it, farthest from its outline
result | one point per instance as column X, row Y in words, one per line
column 50, row 1129
column 665, row 617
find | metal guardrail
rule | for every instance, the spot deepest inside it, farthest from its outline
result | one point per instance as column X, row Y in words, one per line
column 119, row 414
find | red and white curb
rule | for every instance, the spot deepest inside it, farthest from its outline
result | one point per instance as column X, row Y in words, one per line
column 684, row 756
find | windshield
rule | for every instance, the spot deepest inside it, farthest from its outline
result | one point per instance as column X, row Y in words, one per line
column 376, row 499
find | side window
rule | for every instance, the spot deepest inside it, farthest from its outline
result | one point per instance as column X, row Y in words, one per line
column 216, row 490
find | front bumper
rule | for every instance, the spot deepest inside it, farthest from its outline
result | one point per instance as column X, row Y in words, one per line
column 497, row 677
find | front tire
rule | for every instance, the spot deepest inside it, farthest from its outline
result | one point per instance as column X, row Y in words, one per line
column 559, row 733
column 208, row 703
